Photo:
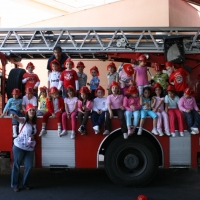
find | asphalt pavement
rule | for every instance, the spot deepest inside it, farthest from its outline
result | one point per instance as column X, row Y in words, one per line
column 79, row 184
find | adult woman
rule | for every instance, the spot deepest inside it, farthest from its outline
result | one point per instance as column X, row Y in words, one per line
column 23, row 148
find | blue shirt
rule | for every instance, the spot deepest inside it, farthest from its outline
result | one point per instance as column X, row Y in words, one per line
column 94, row 80
column 14, row 104
column 144, row 100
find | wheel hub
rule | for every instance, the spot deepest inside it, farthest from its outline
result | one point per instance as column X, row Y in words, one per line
column 131, row 161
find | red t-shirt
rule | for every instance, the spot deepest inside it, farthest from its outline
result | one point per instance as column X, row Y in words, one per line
column 179, row 77
column 32, row 81
column 69, row 77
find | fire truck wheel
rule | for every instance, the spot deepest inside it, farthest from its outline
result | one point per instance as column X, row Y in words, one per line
column 15, row 81
column 131, row 162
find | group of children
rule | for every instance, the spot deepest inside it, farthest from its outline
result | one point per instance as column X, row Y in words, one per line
column 130, row 96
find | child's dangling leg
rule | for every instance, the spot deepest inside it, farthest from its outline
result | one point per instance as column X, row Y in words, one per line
column 14, row 128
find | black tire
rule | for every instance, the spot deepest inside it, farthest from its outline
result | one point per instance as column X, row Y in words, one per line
column 15, row 81
column 132, row 162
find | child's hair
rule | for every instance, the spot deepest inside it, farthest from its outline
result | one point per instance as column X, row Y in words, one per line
column 88, row 97
column 113, row 68
column 69, row 89
column 161, row 94
column 148, row 89
column 110, row 91
column 33, row 120
column 128, row 95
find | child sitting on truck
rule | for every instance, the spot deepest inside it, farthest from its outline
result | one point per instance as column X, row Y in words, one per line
column 42, row 100
column 14, row 106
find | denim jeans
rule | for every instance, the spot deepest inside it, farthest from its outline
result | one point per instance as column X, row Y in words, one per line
column 19, row 155
column 19, row 114
column 128, row 116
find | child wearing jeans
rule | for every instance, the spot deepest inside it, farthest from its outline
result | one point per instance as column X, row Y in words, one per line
column 132, row 105
column 84, row 108
column 14, row 106
column 188, row 106
column 145, row 102
column 157, row 105
column 55, row 106
column 70, row 111
column 171, row 107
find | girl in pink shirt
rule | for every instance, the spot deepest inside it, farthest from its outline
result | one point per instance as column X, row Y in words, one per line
column 188, row 106
column 84, row 108
column 140, row 76
column 115, row 107
column 132, row 105
column 70, row 111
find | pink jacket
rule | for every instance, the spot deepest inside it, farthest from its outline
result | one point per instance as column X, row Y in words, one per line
column 127, row 102
column 89, row 105
column 187, row 104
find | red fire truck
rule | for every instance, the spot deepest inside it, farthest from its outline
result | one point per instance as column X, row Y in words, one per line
column 127, row 162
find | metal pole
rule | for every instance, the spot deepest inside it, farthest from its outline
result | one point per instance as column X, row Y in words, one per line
column 3, row 81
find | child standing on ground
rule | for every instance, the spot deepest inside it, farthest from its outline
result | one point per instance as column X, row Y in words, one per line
column 171, row 107
column 54, row 75
column 115, row 107
column 145, row 102
column 132, row 105
column 55, row 106
column 70, row 111
column 126, row 77
column 99, row 111
column 31, row 79
column 140, row 77
column 188, row 106
column 42, row 100
column 14, row 106
column 112, row 74
column 28, row 98
column 82, row 77
column 157, row 105
column 94, row 83
column 68, row 77
column 84, row 108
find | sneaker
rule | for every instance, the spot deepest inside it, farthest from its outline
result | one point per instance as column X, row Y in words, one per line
column 15, row 135
column 81, row 130
column 59, row 132
column 96, row 128
column 196, row 130
column 155, row 132
column 106, row 132
column 181, row 134
column 173, row 134
column 130, row 132
column 193, row 133
column 139, row 131
column 167, row 133
column 160, row 133
column 64, row 132
column 125, row 136
column 73, row 135
column 42, row 132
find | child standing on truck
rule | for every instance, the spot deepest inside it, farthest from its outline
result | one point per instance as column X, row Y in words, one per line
column 54, row 75
column 115, row 107
column 125, row 77
column 28, row 98
column 171, row 107
column 188, row 106
column 82, row 77
column 55, row 106
column 70, row 111
column 68, row 77
column 42, row 100
column 14, row 106
column 31, row 79
column 157, row 105
column 84, row 108
column 131, row 103
column 145, row 102
column 99, row 111
column 140, row 77
column 94, row 83
column 112, row 75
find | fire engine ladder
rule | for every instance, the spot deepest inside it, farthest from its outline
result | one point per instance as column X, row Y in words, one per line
column 93, row 42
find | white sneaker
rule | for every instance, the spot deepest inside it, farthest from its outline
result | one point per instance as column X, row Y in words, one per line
column 64, row 132
column 160, row 133
column 106, row 132
column 96, row 128
column 42, row 132
column 193, row 133
column 173, row 134
column 139, row 131
column 59, row 132
column 196, row 130
column 73, row 135
column 130, row 132
column 167, row 133
column 155, row 132
column 181, row 134
column 125, row 136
